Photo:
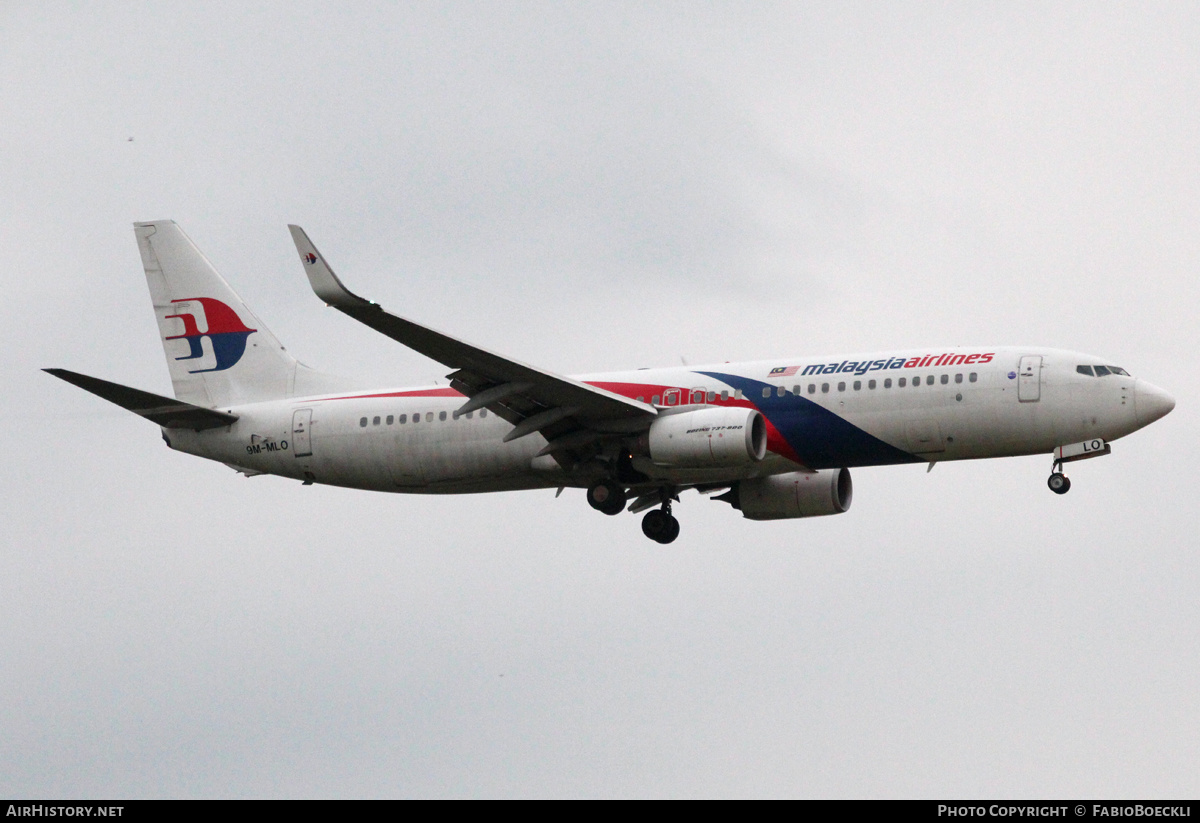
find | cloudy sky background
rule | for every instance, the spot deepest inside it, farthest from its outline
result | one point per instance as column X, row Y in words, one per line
column 588, row 187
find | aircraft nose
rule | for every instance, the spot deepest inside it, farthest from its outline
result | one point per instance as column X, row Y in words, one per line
column 1150, row 403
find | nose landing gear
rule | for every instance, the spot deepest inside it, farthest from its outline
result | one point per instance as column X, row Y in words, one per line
column 1058, row 482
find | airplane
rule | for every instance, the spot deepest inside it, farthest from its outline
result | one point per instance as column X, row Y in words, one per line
column 775, row 439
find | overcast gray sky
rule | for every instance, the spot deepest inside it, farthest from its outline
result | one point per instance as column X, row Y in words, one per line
column 585, row 187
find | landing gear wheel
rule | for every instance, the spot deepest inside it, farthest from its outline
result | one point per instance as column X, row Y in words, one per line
column 660, row 526
column 655, row 524
column 672, row 531
column 606, row 497
column 1059, row 483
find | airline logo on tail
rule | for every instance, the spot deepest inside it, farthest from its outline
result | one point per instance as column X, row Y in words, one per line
column 225, row 331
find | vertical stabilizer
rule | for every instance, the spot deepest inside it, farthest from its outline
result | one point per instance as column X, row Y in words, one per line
column 218, row 351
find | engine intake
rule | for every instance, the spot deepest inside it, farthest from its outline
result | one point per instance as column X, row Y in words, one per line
column 705, row 438
column 796, row 494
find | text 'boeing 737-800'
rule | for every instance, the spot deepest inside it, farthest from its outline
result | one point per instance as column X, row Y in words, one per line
column 774, row 438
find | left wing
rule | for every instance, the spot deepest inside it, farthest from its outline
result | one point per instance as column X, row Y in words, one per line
column 571, row 415
column 165, row 411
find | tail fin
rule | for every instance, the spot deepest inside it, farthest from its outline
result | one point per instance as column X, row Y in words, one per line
column 218, row 352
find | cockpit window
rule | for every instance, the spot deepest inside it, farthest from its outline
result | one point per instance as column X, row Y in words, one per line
column 1102, row 371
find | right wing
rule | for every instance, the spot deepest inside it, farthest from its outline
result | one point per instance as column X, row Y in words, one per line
column 571, row 415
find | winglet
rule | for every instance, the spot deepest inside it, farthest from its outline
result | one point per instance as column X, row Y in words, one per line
column 321, row 277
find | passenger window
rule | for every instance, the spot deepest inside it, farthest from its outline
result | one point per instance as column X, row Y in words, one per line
column 841, row 386
column 887, row 383
column 725, row 394
column 1085, row 370
column 812, row 388
column 824, row 388
column 901, row 382
column 404, row 418
column 766, row 391
column 642, row 398
column 375, row 422
column 417, row 417
column 781, row 391
column 958, row 377
column 712, row 397
column 390, row 420
column 470, row 415
column 655, row 399
column 1102, row 371
column 483, row 413
column 929, row 380
column 428, row 417
column 857, row 385
column 870, row 384
column 363, row 422
column 441, row 416
column 795, row 390
column 974, row 377
column 945, row 379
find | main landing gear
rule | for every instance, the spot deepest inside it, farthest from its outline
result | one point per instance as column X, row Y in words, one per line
column 1059, row 483
column 606, row 497
column 660, row 525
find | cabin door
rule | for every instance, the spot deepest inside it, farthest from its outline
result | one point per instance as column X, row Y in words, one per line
column 302, row 432
column 1029, row 379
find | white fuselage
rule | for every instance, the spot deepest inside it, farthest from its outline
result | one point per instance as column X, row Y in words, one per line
column 822, row 412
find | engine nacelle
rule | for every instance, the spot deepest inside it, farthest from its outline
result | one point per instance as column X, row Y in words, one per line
column 796, row 494
column 707, row 438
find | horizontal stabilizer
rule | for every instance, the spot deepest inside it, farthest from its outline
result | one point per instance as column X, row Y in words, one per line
column 165, row 411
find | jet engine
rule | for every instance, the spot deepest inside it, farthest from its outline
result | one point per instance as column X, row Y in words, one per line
column 707, row 438
column 795, row 494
